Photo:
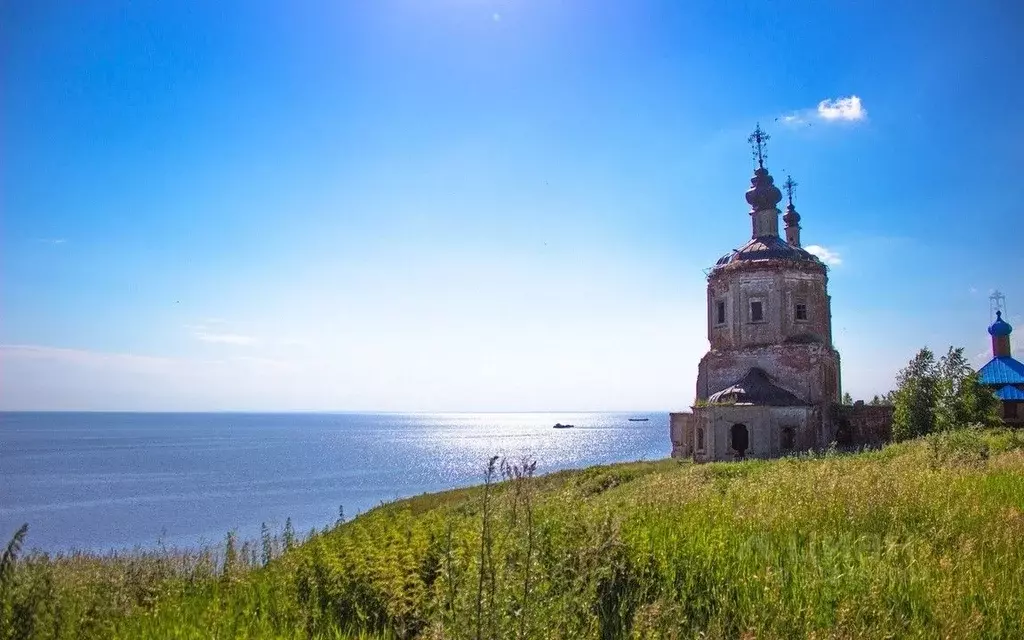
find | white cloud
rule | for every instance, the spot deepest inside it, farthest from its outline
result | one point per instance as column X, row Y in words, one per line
column 53, row 241
column 849, row 108
column 42, row 377
column 828, row 256
column 216, row 331
column 225, row 338
column 295, row 342
column 84, row 357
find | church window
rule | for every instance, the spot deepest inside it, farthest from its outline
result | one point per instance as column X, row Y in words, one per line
column 700, row 439
column 801, row 311
column 720, row 312
column 756, row 311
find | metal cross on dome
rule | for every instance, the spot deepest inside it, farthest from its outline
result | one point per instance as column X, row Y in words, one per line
column 758, row 141
column 996, row 302
column 789, row 185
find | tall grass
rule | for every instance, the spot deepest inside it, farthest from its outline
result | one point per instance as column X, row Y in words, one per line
column 922, row 539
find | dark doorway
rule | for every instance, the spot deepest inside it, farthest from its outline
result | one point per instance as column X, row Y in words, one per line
column 740, row 439
column 788, row 438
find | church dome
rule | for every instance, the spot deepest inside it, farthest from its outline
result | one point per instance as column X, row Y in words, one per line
column 767, row 248
column 1000, row 327
column 791, row 218
column 763, row 194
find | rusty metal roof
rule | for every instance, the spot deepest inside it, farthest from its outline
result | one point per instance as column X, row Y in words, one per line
column 767, row 248
column 757, row 388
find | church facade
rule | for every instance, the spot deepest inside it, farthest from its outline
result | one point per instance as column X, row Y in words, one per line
column 770, row 382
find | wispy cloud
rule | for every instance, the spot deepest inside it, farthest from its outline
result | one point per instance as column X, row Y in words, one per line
column 82, row 356
column 845, row 109
column 224, row 338
column 215, row 331
column 826, row 255
column 131, row 362
column 53, row 241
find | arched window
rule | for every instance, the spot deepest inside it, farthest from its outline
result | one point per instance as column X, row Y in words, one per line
column 700, row 439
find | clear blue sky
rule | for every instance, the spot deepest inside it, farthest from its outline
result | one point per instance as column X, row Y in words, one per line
column 482, row 205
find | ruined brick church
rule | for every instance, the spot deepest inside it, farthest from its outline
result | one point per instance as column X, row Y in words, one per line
column 770, row 382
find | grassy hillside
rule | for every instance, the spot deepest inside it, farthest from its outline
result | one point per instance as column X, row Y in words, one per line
column 924, row 539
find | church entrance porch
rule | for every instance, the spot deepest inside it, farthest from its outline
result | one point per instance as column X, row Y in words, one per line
column 741, row 431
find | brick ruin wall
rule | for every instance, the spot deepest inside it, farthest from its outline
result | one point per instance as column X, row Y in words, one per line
column 862, row 424
column 779, row 284
column 797, row 354
column 811, row 371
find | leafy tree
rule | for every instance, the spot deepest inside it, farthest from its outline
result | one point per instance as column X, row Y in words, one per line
column 847, row 398
column 882, row 400
column 962, row 400
column 915, row 397
column 939, row 396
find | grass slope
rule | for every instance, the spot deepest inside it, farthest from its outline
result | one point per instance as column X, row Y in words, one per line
column 924, row 539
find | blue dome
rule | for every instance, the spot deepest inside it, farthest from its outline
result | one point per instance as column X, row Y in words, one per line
column 1000, row 327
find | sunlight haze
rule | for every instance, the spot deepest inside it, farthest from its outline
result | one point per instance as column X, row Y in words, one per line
column 456, row 205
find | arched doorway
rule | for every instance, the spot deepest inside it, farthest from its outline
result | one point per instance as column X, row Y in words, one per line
column 788, row 438
column 740, row 439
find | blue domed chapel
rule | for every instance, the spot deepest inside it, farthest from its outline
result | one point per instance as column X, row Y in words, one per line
column 1004, row 374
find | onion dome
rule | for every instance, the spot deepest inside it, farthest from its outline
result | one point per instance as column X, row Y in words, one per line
column 1000, row 327
column 791, row 218
column 763, row 194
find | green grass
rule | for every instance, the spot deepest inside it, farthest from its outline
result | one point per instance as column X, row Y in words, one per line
column 922, row 539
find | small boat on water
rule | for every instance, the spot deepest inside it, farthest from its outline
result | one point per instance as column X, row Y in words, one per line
column 559, row 425
column 639, row 419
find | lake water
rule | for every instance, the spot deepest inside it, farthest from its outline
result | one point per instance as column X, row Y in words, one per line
column 113, row 480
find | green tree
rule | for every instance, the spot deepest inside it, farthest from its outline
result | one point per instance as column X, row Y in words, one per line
column 882, row 400
column 268, row 544
column 289, row 534
column 915, row 397
column 231, row 559
column 847, row 398
column 961, row 399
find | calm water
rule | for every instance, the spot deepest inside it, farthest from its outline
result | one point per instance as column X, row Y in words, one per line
column 110, row 480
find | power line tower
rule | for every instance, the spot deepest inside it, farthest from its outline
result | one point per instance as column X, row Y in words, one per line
column 996, row 302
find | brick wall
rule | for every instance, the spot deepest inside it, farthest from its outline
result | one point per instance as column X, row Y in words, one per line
column 863, row 424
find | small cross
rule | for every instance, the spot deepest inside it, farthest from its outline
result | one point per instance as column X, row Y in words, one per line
column 758, row 140
column 789, row 185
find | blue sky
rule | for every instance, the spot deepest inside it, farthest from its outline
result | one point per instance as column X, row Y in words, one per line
column 481, row 205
